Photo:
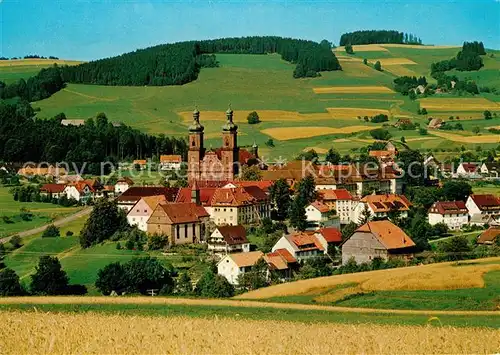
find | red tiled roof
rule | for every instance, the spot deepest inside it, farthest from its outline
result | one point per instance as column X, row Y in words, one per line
column 206, row 194
column 233, row 234
column 487, row 201
column 306, row 241
column 489, row 236
column 256, row 192
column 380, row 153
column 263, row 184
column 390, row 235
column 331, row 234
column 170, row 159
column 232, row 197
column 126, row 180
column 53, row 188
column 286, row 255
column 339, row 194
column 448, row 207
column 387, row 202
column 210, row 183
column 320, row 206
column 470, row 167
column 135, row 193
column 183, row 212
column 140, row 162
column 243, row 156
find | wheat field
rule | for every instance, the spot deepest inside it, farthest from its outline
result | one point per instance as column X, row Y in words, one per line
column 363, row 48
column 441, row 276
column 392, row 61
column 92, row 333
column 459, row 104
column 287, row 133
column 400, row 70
column 486, row 138
column 353, row 90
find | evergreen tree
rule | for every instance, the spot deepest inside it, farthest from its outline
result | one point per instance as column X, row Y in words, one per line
column 332, row 156
column 365, row 216
column 280, row 195
column 306, row 189
column 298, row 218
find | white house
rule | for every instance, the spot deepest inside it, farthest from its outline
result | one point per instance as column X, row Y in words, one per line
column 170, row 162
column 317, row 212
column 80, row 191
column 301, row 245
column 228, row 239
column 381, row 205
column 454, row 214
column 482, row 206
column 233, row 265
column 491, row 169
column 468, row 170
column 339, row 200
column 142, row 211
column 123, row 185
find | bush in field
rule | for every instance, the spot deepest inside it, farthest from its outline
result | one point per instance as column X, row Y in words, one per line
column 51, row 232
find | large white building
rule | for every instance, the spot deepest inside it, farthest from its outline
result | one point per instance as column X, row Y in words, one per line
column 483, row 207
column 454, row 214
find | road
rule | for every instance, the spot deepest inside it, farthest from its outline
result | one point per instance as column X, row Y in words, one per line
column 57, row 223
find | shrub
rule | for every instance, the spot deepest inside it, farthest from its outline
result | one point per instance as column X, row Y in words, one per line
column 111, row 278
column 378, row 66
column 214, row 286
column 69, row 233
column 16, row 241
column 380, row 134
column 157, row 242
column 51, row 232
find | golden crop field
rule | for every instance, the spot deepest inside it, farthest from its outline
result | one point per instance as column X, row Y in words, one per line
column 36, row 62
column 264, row 115
column 356, row 68
column 353, row 90
column 316, row 149
column 59, row 333
column 286, row 133
column 392, row 61
column 426, row 277
column 458, row 104
column 400, row 70
column 364, row 48
column 353, row 112
column 493, row 127
column 485, row 138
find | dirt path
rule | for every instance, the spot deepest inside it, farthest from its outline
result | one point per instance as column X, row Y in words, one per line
column 57, row 223
column 226, row 303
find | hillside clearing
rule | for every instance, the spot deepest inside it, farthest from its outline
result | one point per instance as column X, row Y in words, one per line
column 427, row 277
column 286, row 133
column 486, row 138
column 392, row 61
column 352, row 90
column 400, row 70
column 458, row 104
column 353, row 112
column 28, row 333
column 37, row 62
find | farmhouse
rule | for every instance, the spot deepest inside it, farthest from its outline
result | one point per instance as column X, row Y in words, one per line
column 53, row 190
column 384, row 157
column 491, row 169
column 132, row 195
column 453, row 213
column 170, row 162
column 123, row 185
column 140, row 213
column 141, row 163
column 301, row 245
column 468, row 170
column 181, row 223
column 435, row 123
column 380, row 205
column 228, row 239
column 281, row 263
column 81, row 191
column 378, row 239
column 233, row 265
column 317, row 212
column 220, row 164
column 329, row 236
column 483, row 206
column 489, row 236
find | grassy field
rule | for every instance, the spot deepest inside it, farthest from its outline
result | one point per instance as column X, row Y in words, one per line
column 43, row 213
column 264, row 83
column 13, row 70
column 27, row 332
column 473, row 285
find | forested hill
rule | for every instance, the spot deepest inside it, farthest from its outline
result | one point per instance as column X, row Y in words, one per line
column 179, row 63
column 378, row 36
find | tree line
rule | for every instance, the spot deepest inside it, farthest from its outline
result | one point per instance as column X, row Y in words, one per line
column 25, row 138
column 467, row 59
column 378, row 36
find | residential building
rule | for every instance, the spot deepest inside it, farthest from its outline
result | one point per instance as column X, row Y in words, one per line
column 123, row 184
column 133, row 194
column 281, row 263
column 482, row 207
column 318, row 212
column 81, row 191
column 231, row 266
column 181, row 223
column 384, row 157
column 53, row 190
column 452, row 213
column 339, row 200
column 170, row 162
column 377, row 239
column 301, row 245
column 228, row 239
column 140, row 213
column 468, row 170
column 490, row 169
column 329, row 236
column 223, row 163
column 489, row 236
column 141, row 163
column 381, row 205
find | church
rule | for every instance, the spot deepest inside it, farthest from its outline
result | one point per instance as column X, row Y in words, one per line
column 221, row 164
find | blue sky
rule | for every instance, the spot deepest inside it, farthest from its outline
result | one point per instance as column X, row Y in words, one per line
column 77, row 29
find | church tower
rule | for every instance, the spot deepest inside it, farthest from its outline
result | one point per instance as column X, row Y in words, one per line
column 230, row 150
column 196, row 149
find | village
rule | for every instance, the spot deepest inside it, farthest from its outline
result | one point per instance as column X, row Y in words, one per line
column 348, row 213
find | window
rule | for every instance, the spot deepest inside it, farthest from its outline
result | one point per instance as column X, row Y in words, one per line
column 194, row 230
column 177, row 229
column 145, row 211
column 185, row 231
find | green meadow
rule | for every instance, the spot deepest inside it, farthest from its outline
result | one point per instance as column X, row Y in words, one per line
column 264, row 83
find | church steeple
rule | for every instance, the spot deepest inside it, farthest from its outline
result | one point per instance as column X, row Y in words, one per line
column 229, row 126
column 196, row 125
